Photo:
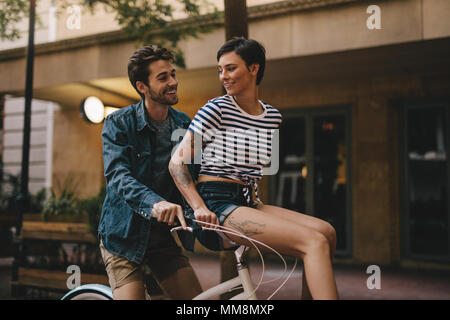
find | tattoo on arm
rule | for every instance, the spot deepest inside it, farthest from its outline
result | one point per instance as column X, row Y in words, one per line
column 247, row 227
column 181, row 175
column 178, row 169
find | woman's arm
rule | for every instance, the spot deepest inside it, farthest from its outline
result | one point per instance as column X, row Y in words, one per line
column 184, row 154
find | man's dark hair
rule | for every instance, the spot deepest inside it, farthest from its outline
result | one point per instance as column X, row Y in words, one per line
column 138, row 63
column 251, row 51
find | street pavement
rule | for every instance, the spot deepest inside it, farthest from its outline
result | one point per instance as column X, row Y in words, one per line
column 352, row 282
column 395, row 284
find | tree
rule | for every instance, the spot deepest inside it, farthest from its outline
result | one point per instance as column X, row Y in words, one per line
column 11, row 12
column 146, row 21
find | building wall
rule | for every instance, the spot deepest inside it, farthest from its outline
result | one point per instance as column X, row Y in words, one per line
column 300, row 33
column 55, row 23
column 375, row 192
column 78, row 152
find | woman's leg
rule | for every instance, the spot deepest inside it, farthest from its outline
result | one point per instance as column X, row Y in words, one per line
column 289, row 238
column 308, row 221
column 311, row 222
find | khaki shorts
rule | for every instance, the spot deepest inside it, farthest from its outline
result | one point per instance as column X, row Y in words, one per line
column 164, row 257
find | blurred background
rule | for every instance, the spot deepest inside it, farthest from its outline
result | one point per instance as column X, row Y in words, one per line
column 363, row 87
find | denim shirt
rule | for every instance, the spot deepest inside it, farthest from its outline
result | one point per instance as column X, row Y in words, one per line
column 124, row 226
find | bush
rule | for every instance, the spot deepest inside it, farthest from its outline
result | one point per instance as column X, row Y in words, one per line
column 62, row 203
column 10, row 192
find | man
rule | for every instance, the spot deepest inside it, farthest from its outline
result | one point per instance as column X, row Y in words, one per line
column 137, row 147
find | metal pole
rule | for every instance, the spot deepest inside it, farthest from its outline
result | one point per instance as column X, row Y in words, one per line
column 22, row 200
column 27, row 114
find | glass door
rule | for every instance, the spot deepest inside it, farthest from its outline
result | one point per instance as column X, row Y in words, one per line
column 314, row 173
column 330, row 173
column 426, row 177
column 291, row 177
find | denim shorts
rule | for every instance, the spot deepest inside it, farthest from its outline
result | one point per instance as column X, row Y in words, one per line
column 223, row 198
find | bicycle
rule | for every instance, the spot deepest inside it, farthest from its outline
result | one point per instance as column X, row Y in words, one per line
column 243, row 280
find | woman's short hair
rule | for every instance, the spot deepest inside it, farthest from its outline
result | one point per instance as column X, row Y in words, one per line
column 138, row 63
column 251, row 51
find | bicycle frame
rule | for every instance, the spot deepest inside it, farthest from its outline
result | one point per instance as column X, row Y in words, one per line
column 243, row 279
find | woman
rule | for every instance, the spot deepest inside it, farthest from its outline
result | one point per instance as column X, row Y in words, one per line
column 236, row 133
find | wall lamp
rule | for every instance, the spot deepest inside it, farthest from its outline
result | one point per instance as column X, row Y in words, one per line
column 94, row 111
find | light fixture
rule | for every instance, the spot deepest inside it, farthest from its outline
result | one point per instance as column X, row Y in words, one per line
column 92, row 109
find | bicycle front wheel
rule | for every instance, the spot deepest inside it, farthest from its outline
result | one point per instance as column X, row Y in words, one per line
column 89, row 292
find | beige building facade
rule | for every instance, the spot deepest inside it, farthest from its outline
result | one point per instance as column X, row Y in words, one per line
column 350, row 77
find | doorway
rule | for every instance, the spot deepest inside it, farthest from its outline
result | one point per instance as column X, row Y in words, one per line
column 314, row 169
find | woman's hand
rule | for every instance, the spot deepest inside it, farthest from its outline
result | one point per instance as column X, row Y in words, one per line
column 203, row 214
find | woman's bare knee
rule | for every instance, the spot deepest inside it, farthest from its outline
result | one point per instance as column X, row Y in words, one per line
column 317, row 243
column 308, row 243
column 329, row 232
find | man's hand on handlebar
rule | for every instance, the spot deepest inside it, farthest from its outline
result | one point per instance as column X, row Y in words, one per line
column 166, row 212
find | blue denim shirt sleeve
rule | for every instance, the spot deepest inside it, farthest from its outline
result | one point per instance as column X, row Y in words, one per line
column 118, row 170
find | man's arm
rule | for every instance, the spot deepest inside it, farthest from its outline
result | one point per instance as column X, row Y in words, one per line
column 141, row 199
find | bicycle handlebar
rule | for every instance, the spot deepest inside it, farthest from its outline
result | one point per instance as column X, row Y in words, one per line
column 154, row 215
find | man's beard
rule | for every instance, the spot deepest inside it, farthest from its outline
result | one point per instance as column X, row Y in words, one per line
column 161, row 98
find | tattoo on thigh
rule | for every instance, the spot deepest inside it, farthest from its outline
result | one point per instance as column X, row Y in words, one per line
column 247, row 227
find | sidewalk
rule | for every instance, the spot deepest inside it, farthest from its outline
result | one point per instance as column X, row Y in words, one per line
column 351, row 281
column 5, row 278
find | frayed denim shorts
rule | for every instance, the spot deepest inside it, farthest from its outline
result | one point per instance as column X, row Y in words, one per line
column 222, row 198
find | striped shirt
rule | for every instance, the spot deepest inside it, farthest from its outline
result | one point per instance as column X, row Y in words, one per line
column 236, row 145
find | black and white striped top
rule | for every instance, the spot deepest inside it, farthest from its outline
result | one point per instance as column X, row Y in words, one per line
column 236, row 145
